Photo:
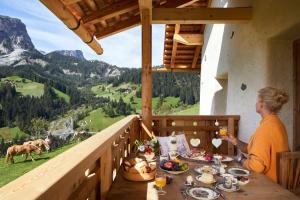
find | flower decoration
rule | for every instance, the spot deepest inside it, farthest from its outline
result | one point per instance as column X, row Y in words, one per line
column 147, row 146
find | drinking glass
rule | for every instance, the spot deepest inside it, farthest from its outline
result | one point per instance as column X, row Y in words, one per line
column 223, row 131
column 160, row 182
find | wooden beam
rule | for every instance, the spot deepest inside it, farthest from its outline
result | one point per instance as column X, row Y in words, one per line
column 61, row 11
column 115, row 9
column 196, row 56
column 146, row 16
column 118, row 27
column 188, row 39
column 177, row 3
column 201, row 15
column 180, row 65
column 174, row 48
column 195, row 70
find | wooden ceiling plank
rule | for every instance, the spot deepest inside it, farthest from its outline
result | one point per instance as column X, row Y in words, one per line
column 201, row 15
column 118, row 27
column 91, row 4
column 196, row 56
column 189, row 39
column 115, row 9
column 174, row 48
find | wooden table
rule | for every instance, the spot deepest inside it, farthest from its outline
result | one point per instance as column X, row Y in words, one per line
column 259, row 188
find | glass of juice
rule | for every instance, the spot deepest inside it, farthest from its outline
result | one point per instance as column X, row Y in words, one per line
column 160, row 182
column 223, row 131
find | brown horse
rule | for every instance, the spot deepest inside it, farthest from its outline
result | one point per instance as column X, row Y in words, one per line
column 21, row 149
column 39, row 143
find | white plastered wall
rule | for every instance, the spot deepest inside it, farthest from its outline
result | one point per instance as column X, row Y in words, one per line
column 257, row 54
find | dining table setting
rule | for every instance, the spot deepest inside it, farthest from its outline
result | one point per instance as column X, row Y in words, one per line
column 189, row 174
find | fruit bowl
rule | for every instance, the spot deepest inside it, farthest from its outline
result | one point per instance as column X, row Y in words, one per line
column 173, row 167
column 175, row 172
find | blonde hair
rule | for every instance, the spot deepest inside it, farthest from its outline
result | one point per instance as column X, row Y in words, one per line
column 273, row 98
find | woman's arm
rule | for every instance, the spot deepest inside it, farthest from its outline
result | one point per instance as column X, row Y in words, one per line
column 259, row 154
column 236, row 142
column 241, row 146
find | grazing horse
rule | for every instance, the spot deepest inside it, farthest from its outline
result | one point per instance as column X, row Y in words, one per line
column 39, row 143
column 21, row 149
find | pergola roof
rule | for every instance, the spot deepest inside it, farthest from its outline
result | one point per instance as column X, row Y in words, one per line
column 183, row 32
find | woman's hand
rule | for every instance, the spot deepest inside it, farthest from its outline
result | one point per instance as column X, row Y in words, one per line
column 230, row 138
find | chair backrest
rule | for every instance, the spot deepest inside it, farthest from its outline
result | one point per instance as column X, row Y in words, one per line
column 288, row 170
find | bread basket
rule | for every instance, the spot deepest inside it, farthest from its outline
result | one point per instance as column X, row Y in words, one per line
column 138, row 176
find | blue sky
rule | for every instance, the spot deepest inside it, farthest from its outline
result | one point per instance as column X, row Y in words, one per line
column 48, row 33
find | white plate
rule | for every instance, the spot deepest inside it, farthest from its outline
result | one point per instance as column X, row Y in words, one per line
column 235, row 171
column 234, row 188
column 199, row 170
column 198, row 178
column 202, row 193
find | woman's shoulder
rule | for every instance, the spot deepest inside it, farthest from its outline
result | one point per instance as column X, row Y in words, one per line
column 271, row 127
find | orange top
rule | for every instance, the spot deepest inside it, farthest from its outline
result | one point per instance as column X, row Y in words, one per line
column 269, row 139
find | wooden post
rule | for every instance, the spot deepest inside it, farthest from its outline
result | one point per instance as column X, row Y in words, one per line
column 231, row 130
column 106, row 172
column 146, row 16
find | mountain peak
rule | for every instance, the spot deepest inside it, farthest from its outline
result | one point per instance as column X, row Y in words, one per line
column 73, row 53
column 13, row 35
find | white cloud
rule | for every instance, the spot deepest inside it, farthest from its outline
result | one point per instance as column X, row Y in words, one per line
column 48, row 34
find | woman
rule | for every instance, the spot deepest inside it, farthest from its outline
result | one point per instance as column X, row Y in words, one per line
column 269, row 138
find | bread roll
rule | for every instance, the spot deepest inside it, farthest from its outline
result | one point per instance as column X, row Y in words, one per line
column 134, row 170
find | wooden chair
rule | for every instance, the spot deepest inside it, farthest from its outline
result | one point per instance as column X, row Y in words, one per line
column 288, row 171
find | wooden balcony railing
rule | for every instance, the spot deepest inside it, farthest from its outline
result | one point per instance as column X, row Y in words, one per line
column 84, row 171
column 198, row 126
column 87, row 170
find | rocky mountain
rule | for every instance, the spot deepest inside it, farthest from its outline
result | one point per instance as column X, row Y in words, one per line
column 13, row 36
column 16, row 47
column 73, row 53
column 18, row 54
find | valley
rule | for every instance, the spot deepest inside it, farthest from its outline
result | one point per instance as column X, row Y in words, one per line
column 60, row 94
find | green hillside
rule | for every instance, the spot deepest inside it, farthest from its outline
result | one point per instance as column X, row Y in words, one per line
column 189, row 110
column 170, row 105
column 104, row 90
column 97, row 121
column 28, row 87
column 8, row 133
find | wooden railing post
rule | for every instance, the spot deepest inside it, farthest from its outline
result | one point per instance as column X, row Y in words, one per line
column 231, row 130
column 106, row 172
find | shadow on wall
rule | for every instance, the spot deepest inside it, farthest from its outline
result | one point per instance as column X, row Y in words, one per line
column 280, row 70
column 219, row 102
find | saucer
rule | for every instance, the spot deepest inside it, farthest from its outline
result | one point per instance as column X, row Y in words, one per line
column 234, row 188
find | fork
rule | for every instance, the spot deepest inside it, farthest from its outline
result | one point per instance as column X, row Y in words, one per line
column 183, row 193
column 218, row 191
